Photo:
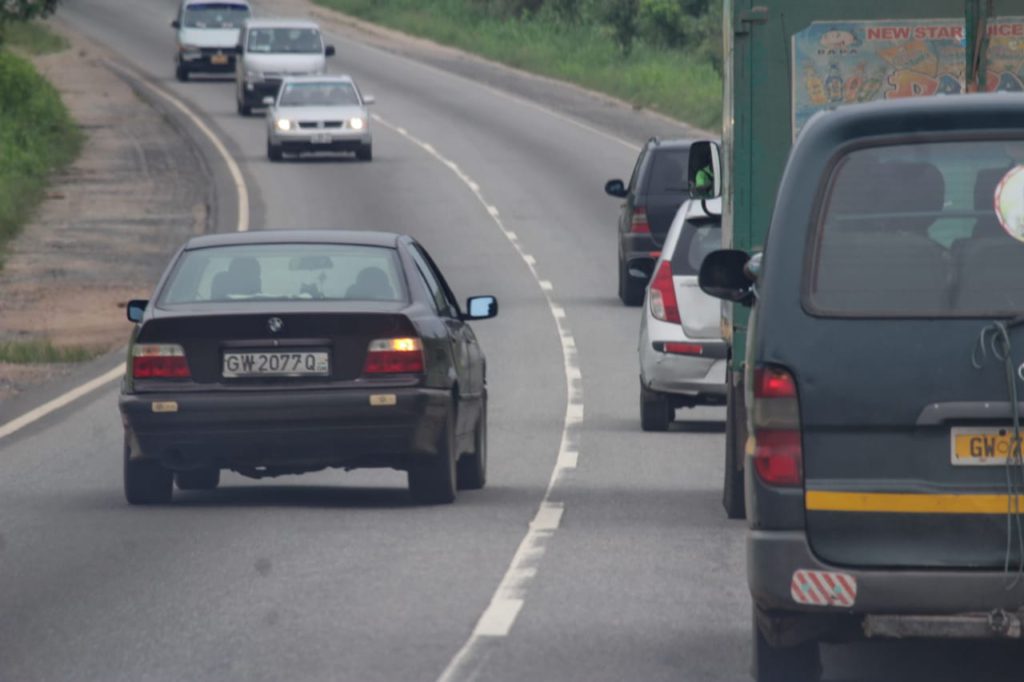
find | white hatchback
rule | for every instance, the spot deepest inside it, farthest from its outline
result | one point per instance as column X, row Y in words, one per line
column 682, row 355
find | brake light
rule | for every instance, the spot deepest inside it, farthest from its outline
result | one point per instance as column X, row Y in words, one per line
column 638, row 224
column 684, row 348
column 778, row 452
column 159, row 361
column 663, row 295
column 394, row 356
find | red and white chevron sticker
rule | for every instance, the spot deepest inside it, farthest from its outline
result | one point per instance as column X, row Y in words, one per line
column 823, row 588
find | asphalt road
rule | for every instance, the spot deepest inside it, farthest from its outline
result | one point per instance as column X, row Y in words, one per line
column 337, row 576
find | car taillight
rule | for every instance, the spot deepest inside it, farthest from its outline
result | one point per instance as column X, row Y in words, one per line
column 639, row 224
column 778, row 454
column 684, row 348
column 159, row 361
column 394, row 356
column 663, row 295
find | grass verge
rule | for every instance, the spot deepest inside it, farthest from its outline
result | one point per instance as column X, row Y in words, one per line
column 37, row 138
column 672, row 82
column 34, row 38
column 40, row 352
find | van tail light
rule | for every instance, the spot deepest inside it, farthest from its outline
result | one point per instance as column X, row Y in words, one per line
column 778, row 453
column 394, row 356
column 638, row 224
column 159, row 361
column 663, row 295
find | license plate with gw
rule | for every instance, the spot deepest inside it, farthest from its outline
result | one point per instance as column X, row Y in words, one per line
column 322, row 138
column 219, row 59
column 981, row 446
column 239, row 364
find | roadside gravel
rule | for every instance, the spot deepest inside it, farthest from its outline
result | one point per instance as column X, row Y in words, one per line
column 108, row 224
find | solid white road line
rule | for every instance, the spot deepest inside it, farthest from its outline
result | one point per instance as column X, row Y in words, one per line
column 506, row 603
column 242, row 225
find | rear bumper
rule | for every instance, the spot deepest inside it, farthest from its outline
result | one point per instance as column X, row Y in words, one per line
column 774, row 556
column 300, row 429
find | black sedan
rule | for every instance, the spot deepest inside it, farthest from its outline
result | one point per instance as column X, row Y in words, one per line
column 284, row 352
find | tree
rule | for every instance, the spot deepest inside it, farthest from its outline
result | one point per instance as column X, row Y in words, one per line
column 24, row 10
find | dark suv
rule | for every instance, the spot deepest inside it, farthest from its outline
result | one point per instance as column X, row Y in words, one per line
column 884, row 478
column 655, row 190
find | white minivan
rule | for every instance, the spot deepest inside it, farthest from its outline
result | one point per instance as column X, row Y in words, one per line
column 207, row 35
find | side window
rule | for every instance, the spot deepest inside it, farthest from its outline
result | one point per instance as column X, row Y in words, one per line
column 446, row 290
column 635, row 177
column 435, row 288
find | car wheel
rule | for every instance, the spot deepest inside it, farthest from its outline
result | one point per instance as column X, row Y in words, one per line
column 365, row 153
column 733, row 492
column 145, row 481
column 631, row 292
column 433, row 482
column 274, row 152
column 181, row 73
column 471, row 471
column 243, row 108
column 197, row 479
column 800, row 663
column 656, row 411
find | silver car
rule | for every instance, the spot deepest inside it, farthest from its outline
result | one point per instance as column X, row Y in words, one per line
column 682, row 356
column 319, row 114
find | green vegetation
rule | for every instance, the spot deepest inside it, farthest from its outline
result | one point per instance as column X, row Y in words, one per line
column 37, row 137
column 34, row 38
column 664, row 55
column 39, row 352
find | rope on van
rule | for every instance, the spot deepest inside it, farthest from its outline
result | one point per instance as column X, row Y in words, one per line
column 995, row 339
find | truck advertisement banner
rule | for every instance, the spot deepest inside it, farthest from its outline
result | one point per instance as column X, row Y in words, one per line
column 844, row 62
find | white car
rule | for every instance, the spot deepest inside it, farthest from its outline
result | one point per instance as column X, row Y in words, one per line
column 683, row 358
column 207, row 36
column 319, row 114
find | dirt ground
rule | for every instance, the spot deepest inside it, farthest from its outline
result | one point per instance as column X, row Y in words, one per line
column 108, row 223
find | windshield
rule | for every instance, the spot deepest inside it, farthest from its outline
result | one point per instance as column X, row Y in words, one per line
column 260, row 272
column 215, row 15
column 932, row 229
column 318, row 94
column 285, row 41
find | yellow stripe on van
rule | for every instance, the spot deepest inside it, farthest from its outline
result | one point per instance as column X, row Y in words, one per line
column 908, row 503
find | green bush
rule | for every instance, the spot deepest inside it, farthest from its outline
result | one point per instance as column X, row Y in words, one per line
column 37, row 137
column 606, row 45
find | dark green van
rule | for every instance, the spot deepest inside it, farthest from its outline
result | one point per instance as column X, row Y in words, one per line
column 884, row 482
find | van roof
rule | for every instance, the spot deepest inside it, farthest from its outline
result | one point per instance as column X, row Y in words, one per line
column 240, row 3
column 281, row 23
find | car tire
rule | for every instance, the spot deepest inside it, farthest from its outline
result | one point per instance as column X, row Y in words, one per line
column 656, row 411
column 800, row 663
column 365, row 153
column 733, row 493
column 433, row 482
column 181, row 73
column 274, row 152
column 471, row 470
column 197, row 479
column 145, row 481
column 243, row 108
column 630, row 293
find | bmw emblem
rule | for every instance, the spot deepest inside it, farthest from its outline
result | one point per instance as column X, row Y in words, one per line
column 275, row 324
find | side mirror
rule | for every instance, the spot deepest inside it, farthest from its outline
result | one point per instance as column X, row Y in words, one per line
column 136, row 309
column 175, row 24
column 268, row 101
column 481, row 308
column 369, row 99
column 704, row 175
column 615, row 188
column 329, row 51
column 724, row 275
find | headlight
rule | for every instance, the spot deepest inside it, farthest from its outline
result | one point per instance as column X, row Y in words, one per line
column 357, row 124
column 254, row 76
column 283, row 124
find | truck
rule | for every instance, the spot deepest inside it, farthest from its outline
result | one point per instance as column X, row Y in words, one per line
column 787, row 60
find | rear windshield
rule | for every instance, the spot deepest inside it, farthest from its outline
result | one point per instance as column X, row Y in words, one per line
column 931, row 229
column 215, row 15
column 668, row 172
column 318, row 95
column 261, row 272
column 285, row 40
column 699, row 237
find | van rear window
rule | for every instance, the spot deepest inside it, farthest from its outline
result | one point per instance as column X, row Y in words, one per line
column 923, row 230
